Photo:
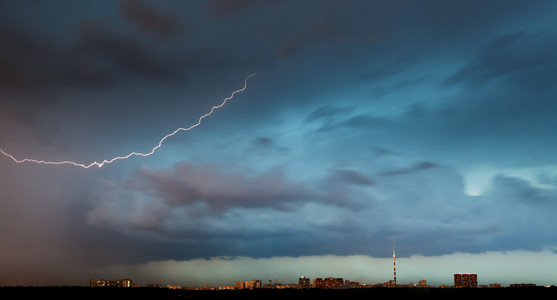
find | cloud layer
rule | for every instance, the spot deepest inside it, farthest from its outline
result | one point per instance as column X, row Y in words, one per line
column 429, row 124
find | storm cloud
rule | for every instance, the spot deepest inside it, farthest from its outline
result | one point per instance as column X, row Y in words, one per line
column 426, row 123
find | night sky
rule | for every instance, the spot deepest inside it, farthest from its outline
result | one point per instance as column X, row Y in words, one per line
column 430, row 124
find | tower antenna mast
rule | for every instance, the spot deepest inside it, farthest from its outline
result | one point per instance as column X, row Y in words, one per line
column 394, row 264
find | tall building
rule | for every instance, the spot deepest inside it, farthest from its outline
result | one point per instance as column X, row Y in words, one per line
column 465, row 280
column 304, row 282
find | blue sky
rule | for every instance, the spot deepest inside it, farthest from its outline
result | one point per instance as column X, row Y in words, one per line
column 427, row 123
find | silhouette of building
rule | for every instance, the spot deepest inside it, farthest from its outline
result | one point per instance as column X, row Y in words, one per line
column 522, row 285
column 465, row 280
column 328, row 283
column 111, row 283
column 388, row 284
column 352, row 284
column 227, row 287
column 304, row 282
column 422, row 283
column 250, row 284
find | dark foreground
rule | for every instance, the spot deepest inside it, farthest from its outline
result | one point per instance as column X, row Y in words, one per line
column 369, row 293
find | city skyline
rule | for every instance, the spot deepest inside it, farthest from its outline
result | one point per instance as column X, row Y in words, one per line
column 414, row 271
column 460, row 280
column 348, row 126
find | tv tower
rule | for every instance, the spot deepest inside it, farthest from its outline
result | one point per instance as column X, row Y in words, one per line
column 394, row 264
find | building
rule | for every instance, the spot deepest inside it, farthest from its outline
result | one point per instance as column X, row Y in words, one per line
column 462, row 280
column 304, row 282
column 522, row 285
column 388, row 284
column 249, row 285
column 422, row 283
column 111, row 283
column 328, row 283
column 352, row 284
column 227, row 287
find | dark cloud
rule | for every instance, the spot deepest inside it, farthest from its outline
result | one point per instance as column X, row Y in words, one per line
column 547, row 178
column 415, row 168
column 352, row 176
column 264, row 142
column 521, row 58
column 268, row 146
column 428, row 210
column 99, row 58
column 329, row 119
column 318, row 30
column 151, row 19
column 27, row 62
column 117, row 56
column 224, row 8
column 513, row 201
column 198, row 204
column 517, row 191
column 219, row 188
column 328, row 114
column 360, row 128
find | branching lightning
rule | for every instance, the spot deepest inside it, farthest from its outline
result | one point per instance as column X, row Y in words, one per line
column 109, row 161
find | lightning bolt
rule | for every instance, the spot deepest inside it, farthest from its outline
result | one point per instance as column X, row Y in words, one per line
column 109, row 161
